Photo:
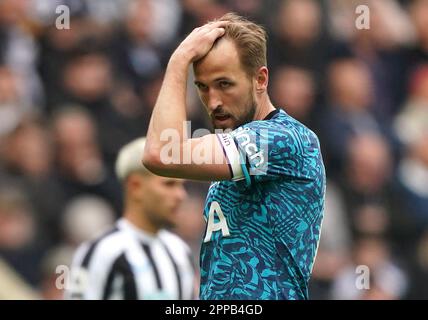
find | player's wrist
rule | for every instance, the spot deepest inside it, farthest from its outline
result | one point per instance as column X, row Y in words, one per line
column 181, row 58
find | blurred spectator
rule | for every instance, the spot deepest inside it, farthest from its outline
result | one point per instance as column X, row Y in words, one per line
column 413, row 118
column 18, row 232
column 412, row 173
column 378, row 47
column 336, row 234
column 138, row 58
column 256, row 10
column 28, row 158
column 367, row 187
column 165, row 34
column 419, row 274
column 371, row 219
column 294, row 91
column 349, row 112
column 19, row 48
column 335, row 244
column 297, row 37
column 418, row 53
column 81, row 169
column 389, row 26
column 369, row 166
column 198, row 12
column 87, row 79
column 13, row 107
column 85, row 218
column 29, row 150
column 355, row 208
column 59, row 46
column 118, row 111
column 386, row 280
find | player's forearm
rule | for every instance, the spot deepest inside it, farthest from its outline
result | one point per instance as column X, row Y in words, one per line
column 169, row 112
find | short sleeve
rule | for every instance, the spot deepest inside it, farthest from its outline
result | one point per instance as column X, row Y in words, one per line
column 268, row 150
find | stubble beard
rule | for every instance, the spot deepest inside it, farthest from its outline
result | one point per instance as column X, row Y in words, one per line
column 248, row 116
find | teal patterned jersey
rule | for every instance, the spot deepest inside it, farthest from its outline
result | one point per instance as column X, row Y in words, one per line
column 263, row 227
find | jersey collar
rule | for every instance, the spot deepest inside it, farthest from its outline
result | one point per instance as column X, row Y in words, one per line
column 271, row 114
column 125, row 224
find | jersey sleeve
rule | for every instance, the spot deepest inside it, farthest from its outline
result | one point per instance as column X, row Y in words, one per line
column 266, row 150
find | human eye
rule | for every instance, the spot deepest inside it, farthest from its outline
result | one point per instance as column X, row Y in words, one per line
column 200, row 86
column 224, row 84
column 169, row 183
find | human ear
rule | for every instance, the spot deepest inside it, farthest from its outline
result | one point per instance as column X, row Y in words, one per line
column 262, row 79
column 135, row 183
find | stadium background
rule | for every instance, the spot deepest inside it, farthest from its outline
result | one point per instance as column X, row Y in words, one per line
column 70, row 98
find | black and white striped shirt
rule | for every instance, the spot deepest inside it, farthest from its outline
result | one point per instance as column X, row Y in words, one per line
column 127, row 263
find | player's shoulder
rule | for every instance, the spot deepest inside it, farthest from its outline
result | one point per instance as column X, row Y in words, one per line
column 99, row 244
column 173, row 241
column 277, row 120
column 278, row 124
column 107, row 235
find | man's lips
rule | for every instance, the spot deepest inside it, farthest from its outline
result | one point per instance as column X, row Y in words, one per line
column 221, row 117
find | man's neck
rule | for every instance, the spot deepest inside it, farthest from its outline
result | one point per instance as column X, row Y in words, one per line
column 265, row 107
column 138, row 219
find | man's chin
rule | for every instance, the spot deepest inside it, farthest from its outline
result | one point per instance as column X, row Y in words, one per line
column 168, row 224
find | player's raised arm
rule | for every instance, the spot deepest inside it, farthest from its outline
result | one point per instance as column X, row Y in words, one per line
column 168, row 151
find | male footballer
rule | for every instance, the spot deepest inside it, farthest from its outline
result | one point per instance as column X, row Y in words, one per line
column 265, row 206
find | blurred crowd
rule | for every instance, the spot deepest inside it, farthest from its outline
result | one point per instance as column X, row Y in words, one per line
column 70, row 98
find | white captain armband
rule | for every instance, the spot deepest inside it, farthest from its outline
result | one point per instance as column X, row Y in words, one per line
column 233, row 156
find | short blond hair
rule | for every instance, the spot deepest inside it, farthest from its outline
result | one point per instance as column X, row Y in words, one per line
column 250, row 40
column 129, row 159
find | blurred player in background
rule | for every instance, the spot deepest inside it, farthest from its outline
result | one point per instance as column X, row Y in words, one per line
column 264, row 210
column 139, row 258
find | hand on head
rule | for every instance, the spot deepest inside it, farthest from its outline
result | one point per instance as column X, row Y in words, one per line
column 200, row 41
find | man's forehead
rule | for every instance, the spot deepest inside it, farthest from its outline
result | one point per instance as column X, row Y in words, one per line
column 221, row 61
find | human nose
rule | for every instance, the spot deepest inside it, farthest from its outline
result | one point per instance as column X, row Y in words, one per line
column 181, row 193
column 214, row 101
